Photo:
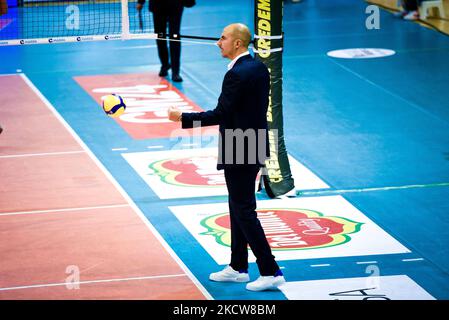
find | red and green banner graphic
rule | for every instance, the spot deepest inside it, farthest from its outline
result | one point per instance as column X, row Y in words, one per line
column 189, row 172
column 290, row 229
column 147, row 97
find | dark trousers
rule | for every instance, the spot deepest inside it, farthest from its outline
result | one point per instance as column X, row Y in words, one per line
column 410, row 5
column 245, row 226
column 172, row 17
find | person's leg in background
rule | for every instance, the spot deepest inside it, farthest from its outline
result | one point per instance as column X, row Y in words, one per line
column 411, row 6
column 174, row 28
column 403, row 11
column 160, row 20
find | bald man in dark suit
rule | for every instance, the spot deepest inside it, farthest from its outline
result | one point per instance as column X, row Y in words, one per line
column 241, row 114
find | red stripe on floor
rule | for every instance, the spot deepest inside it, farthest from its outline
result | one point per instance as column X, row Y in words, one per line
column 147, row 97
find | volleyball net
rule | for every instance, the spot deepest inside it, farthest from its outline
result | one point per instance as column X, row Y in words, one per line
column 56, row 21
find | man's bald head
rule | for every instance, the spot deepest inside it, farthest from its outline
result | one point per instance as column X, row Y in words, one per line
column 241, row 32
column 234, row 40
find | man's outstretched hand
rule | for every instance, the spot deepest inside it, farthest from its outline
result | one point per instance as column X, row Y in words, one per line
column 174, row 114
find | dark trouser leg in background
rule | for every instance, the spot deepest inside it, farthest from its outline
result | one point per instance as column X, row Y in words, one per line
column 174, row 27
column 160, row 26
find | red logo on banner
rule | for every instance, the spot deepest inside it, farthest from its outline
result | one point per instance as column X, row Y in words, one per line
column 147, row 98
column 290, row 229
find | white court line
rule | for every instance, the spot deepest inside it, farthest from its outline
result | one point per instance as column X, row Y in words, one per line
column 155, row 147
column 366, row 262
column 71, row 284
column 318, row 193
column 416, row 259
column 7, row 74
column 119, row 149
column 42, row 154
column 64, row 210
column 120, row 189
column 320, row 265
column 91, row 267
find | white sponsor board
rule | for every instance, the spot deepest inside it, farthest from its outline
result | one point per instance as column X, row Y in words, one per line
column 397, row 287
column 193, row 173
column 298, row 228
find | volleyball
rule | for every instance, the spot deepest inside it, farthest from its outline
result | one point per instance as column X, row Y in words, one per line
column 113, row 105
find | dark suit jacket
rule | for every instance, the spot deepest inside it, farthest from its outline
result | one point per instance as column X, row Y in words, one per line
column 242, row 105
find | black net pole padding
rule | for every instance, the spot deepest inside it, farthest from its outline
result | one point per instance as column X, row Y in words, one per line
column 278, row 179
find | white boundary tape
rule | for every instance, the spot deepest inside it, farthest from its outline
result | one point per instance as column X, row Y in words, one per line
column 256, row 36
column 54, row 40
column 268, row 51
column 106, row 37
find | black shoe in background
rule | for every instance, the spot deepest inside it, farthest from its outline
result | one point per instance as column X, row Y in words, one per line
column 164, row 71
column 176, row 78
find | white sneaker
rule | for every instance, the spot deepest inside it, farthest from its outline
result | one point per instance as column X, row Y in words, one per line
column 266, row 283
column 228, row 274
column 412, row 15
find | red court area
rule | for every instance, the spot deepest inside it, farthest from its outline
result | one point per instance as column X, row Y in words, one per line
column 61, row 235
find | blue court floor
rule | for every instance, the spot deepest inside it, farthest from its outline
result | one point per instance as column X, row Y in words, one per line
column 375, row 131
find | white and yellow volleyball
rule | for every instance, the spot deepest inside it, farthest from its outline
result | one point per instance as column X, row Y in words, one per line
column 113, row 105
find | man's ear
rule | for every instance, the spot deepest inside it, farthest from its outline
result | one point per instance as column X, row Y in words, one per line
column 238, row 43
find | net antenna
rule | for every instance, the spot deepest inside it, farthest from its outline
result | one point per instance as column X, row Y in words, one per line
column 125, row 20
